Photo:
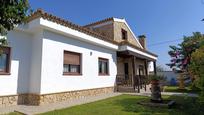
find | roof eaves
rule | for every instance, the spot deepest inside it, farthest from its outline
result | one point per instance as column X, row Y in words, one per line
column 40, row 13
column 136, row 47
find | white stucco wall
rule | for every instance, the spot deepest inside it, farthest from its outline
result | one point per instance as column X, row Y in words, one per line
column 20, row 64
column 53, row 79
column 36, row 63
column 37, row 59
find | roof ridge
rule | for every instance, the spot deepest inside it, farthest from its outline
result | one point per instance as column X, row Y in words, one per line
column 99, row 22
column 41, row 13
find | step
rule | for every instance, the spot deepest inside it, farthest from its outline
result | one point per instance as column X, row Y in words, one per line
column 125, row 89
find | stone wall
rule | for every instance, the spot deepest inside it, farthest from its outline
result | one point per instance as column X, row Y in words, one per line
column 35, row 99
column 57, row 97
column 29, row 99
column 120, row 65
column 138, row 63
column 118, row 36
column 8, row 100
column 106, row 30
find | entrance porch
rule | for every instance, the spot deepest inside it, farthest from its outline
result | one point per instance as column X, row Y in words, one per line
column 133, row 71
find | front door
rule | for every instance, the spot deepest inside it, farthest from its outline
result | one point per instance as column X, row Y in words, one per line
column 126, row 70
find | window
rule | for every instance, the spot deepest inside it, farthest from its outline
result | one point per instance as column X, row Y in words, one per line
column 141, row 70
column 124, row 34
column 103, row 67
column 5, row 60
column 72, row 63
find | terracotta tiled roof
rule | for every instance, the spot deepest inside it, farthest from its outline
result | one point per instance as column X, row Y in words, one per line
column 50, row 17
column 99, row 22
column 40, row 13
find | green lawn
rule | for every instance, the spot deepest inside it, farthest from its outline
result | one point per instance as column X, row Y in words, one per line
column 14, row 113
column 176, row 89
column 127, row 105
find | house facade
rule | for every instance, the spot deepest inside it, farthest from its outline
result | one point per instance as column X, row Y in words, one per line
column 50, row 59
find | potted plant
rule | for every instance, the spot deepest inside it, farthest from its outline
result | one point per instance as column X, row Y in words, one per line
column 154, row 79
column 155, row 88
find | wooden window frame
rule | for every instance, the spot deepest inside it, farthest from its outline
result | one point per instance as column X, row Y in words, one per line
column 80, row 68
column 108, row 71
column 6, row 50
column 123, row 31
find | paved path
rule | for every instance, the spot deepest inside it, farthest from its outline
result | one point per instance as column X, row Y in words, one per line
column 165, row 93
column 30, row 110
column 148, row 93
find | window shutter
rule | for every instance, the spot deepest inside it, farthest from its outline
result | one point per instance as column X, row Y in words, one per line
column 71, row 58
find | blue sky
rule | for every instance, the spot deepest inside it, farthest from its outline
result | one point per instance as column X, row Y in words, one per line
column 159, row 20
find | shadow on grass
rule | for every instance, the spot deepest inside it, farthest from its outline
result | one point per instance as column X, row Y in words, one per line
column 176, row 89
column 183, row 106
column 188, row 105
column 130, row 104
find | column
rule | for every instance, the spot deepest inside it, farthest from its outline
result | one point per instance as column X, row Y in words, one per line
column 155, row 68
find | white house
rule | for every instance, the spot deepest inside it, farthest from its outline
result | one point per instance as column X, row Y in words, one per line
column 50, row 59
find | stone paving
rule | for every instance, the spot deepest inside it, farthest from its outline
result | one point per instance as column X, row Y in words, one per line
column 165, row 93
column 30, row 110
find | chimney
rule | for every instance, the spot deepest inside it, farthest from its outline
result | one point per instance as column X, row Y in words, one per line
column 142, row 40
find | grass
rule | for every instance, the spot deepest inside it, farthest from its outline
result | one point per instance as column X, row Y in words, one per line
column 127, row 105
column 176, row 89
column 14, row 113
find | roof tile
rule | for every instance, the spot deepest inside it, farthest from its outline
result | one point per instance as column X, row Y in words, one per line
column 40, row 13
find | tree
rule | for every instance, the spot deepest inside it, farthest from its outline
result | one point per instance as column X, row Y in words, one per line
column 197, row 67
column 12, row 12
column 181, row 54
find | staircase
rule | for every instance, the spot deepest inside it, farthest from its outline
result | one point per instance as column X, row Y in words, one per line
column 125, row 89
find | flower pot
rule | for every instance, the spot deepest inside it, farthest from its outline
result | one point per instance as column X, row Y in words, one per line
column 155, row 91
column 154, row 82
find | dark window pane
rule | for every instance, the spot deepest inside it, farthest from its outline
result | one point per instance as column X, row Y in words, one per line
column 106, row 67
column 100, row 67
column 72, row 62
column 124, row 34
column 103, row 66
column 66, row 68
column 74, row 68
column 3, row 62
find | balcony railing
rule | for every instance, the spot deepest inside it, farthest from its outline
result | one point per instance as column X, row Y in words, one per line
column 124, row 80
column 137, row 81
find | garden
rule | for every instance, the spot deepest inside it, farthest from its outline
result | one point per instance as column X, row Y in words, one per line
column 128, row 105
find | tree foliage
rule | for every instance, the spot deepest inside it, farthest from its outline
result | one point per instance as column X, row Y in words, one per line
column 181, row 54
column 12, row 12
column 197, row 67
column 189, row 56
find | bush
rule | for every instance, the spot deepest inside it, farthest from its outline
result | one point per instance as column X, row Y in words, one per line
column 196, row 68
